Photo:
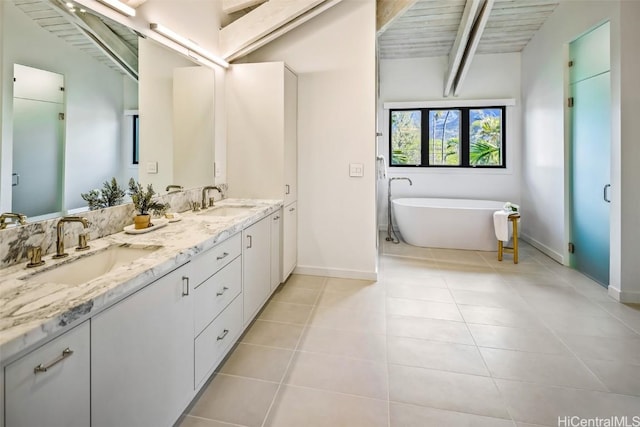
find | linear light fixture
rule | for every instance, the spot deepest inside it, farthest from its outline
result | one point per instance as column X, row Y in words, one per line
column 119, row 7
column 185, row 42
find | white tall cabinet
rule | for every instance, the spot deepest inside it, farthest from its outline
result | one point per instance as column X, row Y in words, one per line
column 262, row 158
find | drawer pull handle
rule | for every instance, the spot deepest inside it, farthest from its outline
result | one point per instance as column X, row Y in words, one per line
column 224, row 289
column 223, row 256
column 42, row 368
column 276, row 218
column 292, row 209
column 185, row 280
column 224, row 334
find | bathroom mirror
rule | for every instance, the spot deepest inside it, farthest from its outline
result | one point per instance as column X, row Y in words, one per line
column 101, row 105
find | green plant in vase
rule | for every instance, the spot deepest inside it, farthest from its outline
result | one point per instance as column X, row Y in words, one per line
column 110, row 195
column 145, row 204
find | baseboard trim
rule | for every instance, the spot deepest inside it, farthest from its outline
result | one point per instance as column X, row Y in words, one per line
column 543, row 248
column 335, row 272
column 622, row 296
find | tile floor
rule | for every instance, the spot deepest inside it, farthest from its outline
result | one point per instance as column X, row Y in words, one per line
column 444, row 338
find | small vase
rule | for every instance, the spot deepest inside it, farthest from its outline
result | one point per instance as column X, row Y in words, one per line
column 141, row 221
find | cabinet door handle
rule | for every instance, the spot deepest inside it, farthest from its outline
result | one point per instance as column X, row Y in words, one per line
column 605, row 194
column 224, row 289
column 223, row 256
column 224, row 334
column 288, row 189
column 185, row 280
column 43, row 368
column 250, row 241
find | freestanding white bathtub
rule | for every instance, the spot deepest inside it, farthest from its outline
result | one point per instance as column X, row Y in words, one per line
column 447, row 223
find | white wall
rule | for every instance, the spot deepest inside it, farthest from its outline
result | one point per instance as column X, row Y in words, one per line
column 199, row 21
column 544, row 87
column 334, row 58
column 93, row 111
column 422, row 79
column 155, row 67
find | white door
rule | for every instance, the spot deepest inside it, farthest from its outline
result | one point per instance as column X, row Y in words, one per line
column 256, row 267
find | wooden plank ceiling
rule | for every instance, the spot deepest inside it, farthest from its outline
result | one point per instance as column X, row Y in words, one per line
column 53, row 17
column 428, row 28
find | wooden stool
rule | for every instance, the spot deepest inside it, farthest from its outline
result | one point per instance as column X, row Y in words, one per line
column 501, row 249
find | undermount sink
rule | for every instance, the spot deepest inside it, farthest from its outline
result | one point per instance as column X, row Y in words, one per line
column 227, row 211
column 92, row 266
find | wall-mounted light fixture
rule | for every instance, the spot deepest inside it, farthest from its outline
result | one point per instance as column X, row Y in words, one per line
column 185, row 42
column 119, row 7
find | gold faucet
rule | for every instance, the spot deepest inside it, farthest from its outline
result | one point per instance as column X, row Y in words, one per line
column 60, row 253
column 15, row 217
column 204, row 195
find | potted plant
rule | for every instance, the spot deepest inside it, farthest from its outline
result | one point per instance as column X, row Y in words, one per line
column 143, row 203
column 110, row 195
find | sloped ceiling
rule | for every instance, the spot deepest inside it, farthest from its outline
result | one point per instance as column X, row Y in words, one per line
column 429, row 27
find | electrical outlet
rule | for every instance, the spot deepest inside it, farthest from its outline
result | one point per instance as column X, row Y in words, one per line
column 152, row 167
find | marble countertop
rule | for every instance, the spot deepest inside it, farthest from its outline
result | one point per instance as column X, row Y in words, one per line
column 31, row 311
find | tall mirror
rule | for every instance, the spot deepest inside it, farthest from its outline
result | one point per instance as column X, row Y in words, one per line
column 102, row 103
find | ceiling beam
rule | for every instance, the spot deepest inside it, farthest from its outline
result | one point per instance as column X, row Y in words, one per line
column 388, row 10
column 460, row 44
column 260, row 22
column 230, row 6
column 283, row 30
column 476, row 34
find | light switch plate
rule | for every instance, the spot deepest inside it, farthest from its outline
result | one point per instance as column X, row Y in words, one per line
column 152, row 167
column 356, row 169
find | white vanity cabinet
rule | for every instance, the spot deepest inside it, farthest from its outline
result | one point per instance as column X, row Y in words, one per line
column 262, row 143
column 256, row 267
column 142, row 355
column 50, row 386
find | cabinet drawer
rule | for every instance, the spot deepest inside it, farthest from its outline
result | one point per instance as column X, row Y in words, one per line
column 215, row 293
column 58, row 396
column 208, row 263
column 212, row 344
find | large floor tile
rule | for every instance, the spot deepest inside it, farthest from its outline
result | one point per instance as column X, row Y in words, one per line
column 446, row 390
column 235, row 400
column 403, row 415
column 273, row 334
column 417, row 291
column 619, row 377
column 345, row 343
column 431, row 329
column 348, row 320
column 306, row 282
column 370, row 299
column 538, row 368
column 419, row 308
column 543, row 405
column 443, row 356
column 625, row 350
column 296, row 295
column 253, row 361
column 507, row 299
column 588, row 325
column 349, row 285
column 515, row 318
column 340, row 374
column 533, row 340
column 286, row 312
column 190, row 421
column 298, row 406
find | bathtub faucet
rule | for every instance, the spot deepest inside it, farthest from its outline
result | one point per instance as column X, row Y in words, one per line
column 401, row 177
